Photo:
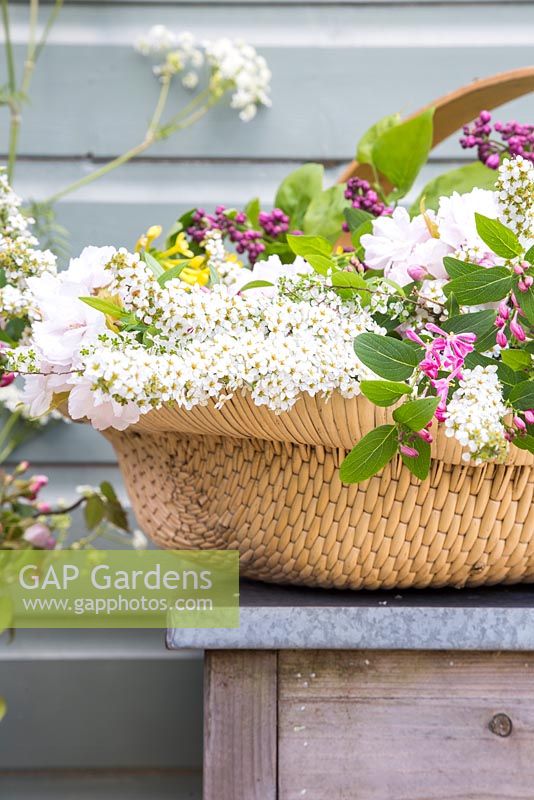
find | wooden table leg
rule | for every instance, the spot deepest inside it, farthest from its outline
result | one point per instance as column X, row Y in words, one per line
column 240, row 725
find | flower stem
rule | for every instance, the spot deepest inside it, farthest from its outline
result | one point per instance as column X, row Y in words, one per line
column 11, row 79
column 29, row 64
column 5, row 432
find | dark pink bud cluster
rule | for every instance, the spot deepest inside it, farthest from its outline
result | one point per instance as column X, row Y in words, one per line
column 233, row 227
column 274, row 223
column 363, row 196
column 517, row 139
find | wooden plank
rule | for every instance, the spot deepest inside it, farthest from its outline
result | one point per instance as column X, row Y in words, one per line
column 240, row 719
column 401, row 726
column 435, row 49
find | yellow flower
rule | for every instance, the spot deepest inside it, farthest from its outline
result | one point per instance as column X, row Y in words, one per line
column 196, row 272
column 180, row 247
column 144, row 241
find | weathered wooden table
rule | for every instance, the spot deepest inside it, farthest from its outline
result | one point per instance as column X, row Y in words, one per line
column 370, row 696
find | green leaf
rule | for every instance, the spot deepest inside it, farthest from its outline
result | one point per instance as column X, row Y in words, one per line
column 255, row 285
column 153, row 264
column 526, row 301
column 315, row 249
column 498, row 237
column 324, row 215
column 456, row 268
column 94, row 512
column 522, row 395
column 105, row 306
column 482, row 285
column 297, row 190
column 459, row 180
column 3, row 708
column 214, row 275
column 173, row 272
column 525, row 442
column 366, row 227
column 355, row 217
column 350, row 280
column 415, row 414
column 384, row 393
column 481, row 323
column 370, row 454
column 252, row 210
column 420, row 465
column 109, row 492
column 517, row 359
column 387, row 357
column 400, row 152
column 364, row 151
column 529, row 255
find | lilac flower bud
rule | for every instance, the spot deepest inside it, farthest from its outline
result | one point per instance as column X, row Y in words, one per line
column 417, row 273
column 6, row 379
column 411, row 452
column 517, row 330
column 501, row 339
column 529, row 416
column 504, row 311
column 519, row 424
column 493, row 161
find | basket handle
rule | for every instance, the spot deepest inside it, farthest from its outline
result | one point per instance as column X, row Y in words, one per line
column 461, row 106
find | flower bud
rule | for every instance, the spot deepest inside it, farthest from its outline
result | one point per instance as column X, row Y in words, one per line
column 504, row 311
column 502, row 341
column 519, row 423
column 417, row 273
column 517, row 330
column 411, row 452
column 529, row 416
column 40, row 536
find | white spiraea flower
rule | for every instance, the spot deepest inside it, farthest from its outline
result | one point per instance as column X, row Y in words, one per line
column 515, row 193
column 475, row 415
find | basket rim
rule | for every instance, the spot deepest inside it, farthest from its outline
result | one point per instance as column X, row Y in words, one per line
column 334, row 422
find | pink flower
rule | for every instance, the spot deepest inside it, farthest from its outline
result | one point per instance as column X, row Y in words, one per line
column 6, row 379
column 529, row 416
column 37, row 483
column 517, row 330
column 519, row 423
column 411, row 452
column 501, row 339
column 40, row 536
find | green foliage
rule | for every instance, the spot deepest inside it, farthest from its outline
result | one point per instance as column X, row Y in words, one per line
column 370, row 454
column 324, row 215
column 355, row 218
column 415, row 414
column 173, row 272
column 384, row 393
column 419, row 465
column 364, row 151
column 255, row 285
column 525, row 442
column 387, row 357
column 461, row 180
column 482, row 285
column 529, row 255
column 401, row 151
column 315, row 249
column 456, row 268
column 252, row 211
column 500, row 239
column 153, row 264
column 105, row 306
column 3, row 708
column 297, row 190
column 526, row 301
column 522, row 395
column 518, row 360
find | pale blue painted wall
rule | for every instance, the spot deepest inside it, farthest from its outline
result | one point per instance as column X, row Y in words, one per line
column 338, row 65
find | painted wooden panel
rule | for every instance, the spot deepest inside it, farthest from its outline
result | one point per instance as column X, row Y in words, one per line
column 335, row 71
column 101, row 784
column 405, row 726
column 101, row 714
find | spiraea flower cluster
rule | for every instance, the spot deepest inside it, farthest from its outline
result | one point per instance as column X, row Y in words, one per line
column 20, row 260
column 516, row 196
column 475, row 413
column 234, row 65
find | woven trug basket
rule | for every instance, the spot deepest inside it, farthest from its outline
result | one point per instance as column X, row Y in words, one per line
column 244, row 478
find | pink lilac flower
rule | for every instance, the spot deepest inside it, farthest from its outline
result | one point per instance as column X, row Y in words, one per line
column 445, row 353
